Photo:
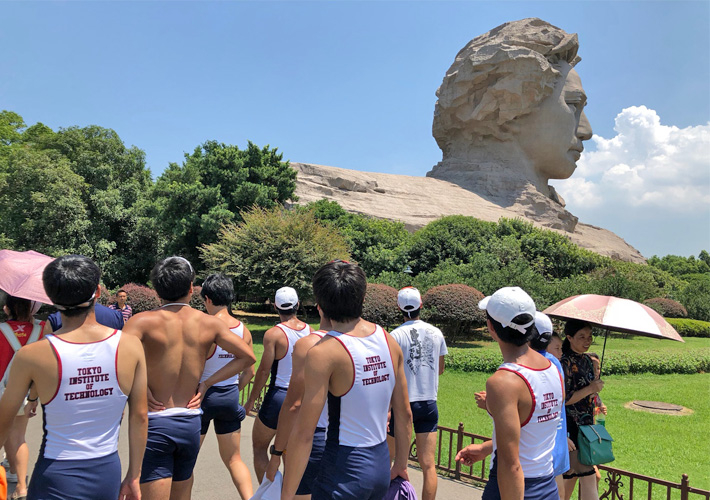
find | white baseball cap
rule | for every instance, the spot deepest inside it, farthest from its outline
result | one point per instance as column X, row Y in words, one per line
column 286, row 298
column 508, row 303
column 543, row 323
column 409, row 299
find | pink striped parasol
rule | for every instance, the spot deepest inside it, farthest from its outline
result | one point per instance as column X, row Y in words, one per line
column 614, row 314
column 21, row 274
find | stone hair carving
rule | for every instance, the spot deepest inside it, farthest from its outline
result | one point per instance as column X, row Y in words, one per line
column 499, row 76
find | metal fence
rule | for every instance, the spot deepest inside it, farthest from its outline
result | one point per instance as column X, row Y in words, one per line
column 617, row 485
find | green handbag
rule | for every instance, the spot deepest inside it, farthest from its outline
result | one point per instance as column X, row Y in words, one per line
column 594, row 445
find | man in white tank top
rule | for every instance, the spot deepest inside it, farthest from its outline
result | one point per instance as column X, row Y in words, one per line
column 358, row 368
column 524, row 398
column 289, row 412
column 83, row 375
column 221, row 402
column 176, row 340
column 275, row 361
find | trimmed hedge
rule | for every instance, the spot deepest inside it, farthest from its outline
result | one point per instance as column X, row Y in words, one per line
column 615, row 362
column 668, row 308
column 380, row 305
column 690, row 327
column 141, row 298
column 454, row 309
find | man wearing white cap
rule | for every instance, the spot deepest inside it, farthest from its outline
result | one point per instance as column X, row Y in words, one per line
column 277, row 361
column 525, row 399
column 424, row 347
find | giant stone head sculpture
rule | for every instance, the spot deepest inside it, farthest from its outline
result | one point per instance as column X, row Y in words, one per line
column 512, row 101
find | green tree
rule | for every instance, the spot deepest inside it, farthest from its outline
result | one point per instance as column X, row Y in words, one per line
column 453, row 238
column 271, row 248
column 212, row 186
column 41, row 204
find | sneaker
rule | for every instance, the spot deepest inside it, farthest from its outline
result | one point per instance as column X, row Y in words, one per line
column 11, row 478
column 5, row 463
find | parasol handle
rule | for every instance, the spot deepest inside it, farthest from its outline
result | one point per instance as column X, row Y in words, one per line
column 601, row 362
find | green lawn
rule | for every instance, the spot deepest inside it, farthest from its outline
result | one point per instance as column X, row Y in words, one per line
column 655, row 445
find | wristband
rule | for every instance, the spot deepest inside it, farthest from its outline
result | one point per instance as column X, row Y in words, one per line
column 275, row 452
column 32, row 400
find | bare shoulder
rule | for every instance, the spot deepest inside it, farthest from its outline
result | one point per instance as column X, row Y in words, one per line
column 274, row 334
column 303, row 344
column 131, row 344
column 143, row 321
column 325, row 352
column 35, row 353
column 503, row 382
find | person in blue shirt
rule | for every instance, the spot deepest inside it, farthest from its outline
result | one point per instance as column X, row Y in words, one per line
column 548, row 339
column 104, row 316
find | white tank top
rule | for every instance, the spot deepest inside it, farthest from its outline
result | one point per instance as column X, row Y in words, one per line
column 220, row 357
column 537, row 433
column 358, row 418
column 82, row 419
column 323, row 419
column 281, row 368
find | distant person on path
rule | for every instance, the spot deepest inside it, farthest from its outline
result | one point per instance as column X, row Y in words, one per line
column 104, row 316
column 277, row 361
column 221, row 401
column 560, row 454
column 580, row 387
column 524, row 397
column 177, row 339
column 20, row 329
column 289, row 411
column 359, row 369
column 83, row 374
column 120, row 305
column 424, row 348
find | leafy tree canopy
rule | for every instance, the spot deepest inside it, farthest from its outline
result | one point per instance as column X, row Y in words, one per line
column 212, row 186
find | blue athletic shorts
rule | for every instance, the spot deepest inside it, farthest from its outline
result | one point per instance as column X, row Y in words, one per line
column 96, row 478
column 348, row 473
column 425, row 417
column 270, row 408
column 172, row 447
column 309, row 475
column 536, row 488
column 221, row 404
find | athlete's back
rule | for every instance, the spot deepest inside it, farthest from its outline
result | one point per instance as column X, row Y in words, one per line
column 176, row 339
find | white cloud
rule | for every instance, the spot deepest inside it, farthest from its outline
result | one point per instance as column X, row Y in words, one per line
column 646, row 165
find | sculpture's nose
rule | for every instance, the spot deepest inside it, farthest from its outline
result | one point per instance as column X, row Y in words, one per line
column 584, row 129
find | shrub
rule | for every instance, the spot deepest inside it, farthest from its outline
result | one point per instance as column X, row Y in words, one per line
column 196, row 301
column 106, row 297
column 272, row 248
column 141, row 298
column 454, row 309
column 615, row 362
column 696, row 296
column 690, row 327
column 668, row 308
column 380, row 305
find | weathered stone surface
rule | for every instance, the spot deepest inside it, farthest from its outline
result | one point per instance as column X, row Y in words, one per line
column 416, row 201
column 508, row 118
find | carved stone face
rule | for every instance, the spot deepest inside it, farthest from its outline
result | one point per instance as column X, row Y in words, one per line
column 551, row 136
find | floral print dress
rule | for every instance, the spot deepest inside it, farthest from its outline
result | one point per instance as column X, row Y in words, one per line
column 579, row 373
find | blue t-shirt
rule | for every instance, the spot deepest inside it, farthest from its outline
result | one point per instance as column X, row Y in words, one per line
column 104, row 316
column 560, row 453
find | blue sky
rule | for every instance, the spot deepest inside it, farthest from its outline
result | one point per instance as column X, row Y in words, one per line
column 352, row 85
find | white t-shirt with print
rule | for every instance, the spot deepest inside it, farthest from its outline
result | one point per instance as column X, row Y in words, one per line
column 421, row 344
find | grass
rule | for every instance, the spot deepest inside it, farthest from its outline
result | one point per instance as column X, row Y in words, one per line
column 661, row 446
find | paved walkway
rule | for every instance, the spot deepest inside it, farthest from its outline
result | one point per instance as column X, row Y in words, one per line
column 212, row 480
